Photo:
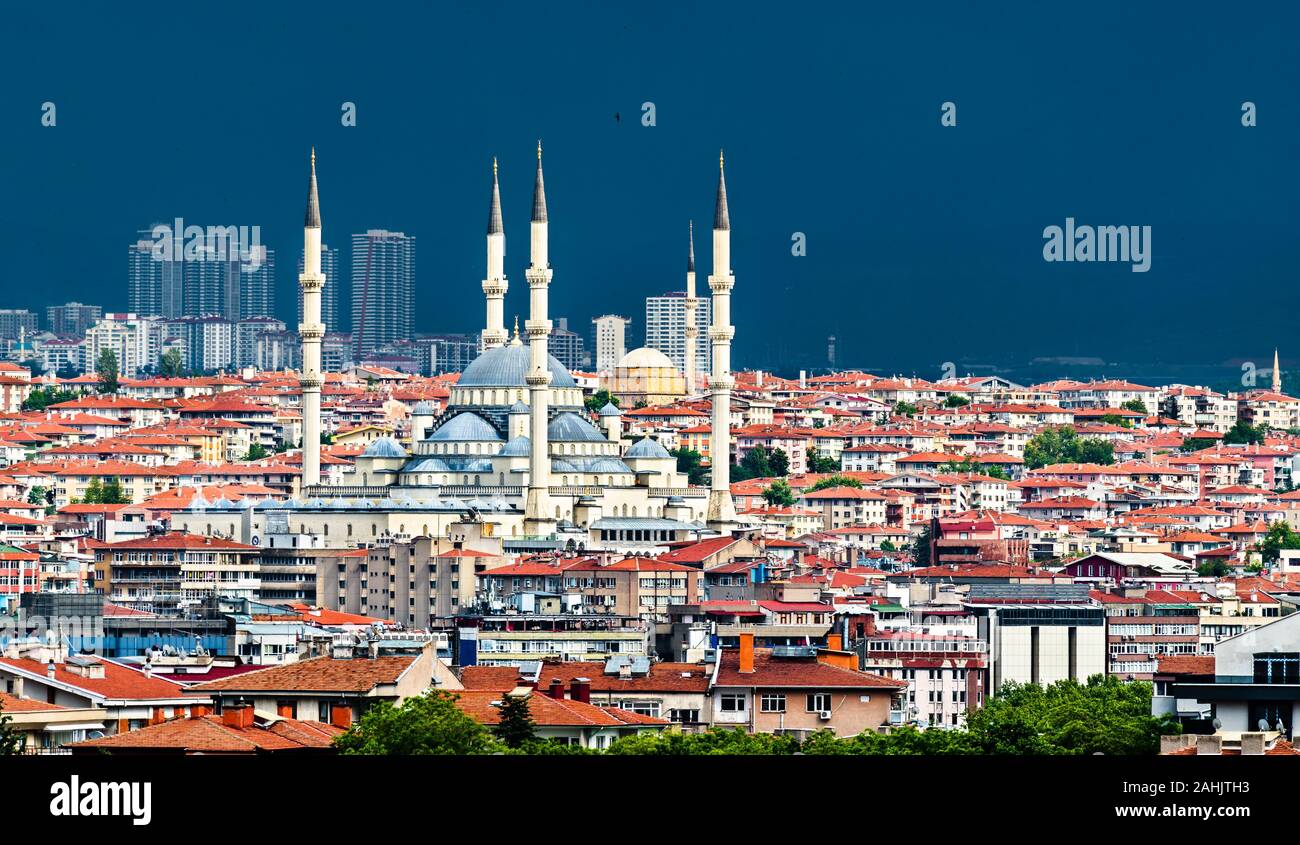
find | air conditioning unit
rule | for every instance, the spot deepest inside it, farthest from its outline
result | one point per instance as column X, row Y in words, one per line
column 824, row 715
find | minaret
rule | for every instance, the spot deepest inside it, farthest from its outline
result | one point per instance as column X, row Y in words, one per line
column 691, row 332
column 311, row 330
column 722, row 511
column 1277, row 374
column 495, row 285
column 537, row 517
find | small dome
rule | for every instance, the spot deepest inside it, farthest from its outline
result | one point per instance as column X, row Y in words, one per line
column 517, row 447
column 463, row 427
column 423, row 408
column 518, row 408
column 384, row 447
column 647, row 448
column 507, row 366
column 568, row 427
column 610, row 410
column 645, row 358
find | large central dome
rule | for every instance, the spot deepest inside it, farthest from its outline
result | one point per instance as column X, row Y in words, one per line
column 507, row 366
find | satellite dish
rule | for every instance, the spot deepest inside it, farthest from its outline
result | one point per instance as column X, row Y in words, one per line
column 1217, row 724
column 1281, row 728
column 1263, row 724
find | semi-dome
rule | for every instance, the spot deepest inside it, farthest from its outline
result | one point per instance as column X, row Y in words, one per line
column 645, row 358
column 507, row 366
column 568, row 427
column 516, row 447
column 463, row 427
column 384, row 447
column 610, row 410
column 647, row 448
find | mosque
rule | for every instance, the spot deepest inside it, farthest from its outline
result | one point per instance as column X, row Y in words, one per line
column 516, row 447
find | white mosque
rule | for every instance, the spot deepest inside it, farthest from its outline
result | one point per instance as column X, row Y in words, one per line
column 515, row 447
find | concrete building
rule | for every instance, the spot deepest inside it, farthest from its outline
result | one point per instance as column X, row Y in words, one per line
column 666, row 327
column 1039, row 633
column 72, row 319
column 611, row 345
column 383, row 278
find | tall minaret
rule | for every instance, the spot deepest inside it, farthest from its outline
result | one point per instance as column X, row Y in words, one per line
column 691, row 332
column 537, row 518
column 311, row 330
column 495, row 285
column 1277, row 373
column 722, row 511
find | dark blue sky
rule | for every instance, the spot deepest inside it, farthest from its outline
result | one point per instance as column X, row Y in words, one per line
column 924, row 243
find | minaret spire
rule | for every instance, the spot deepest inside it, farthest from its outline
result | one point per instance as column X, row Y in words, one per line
column 538, row 518
column 495, row 285
column 722, row 510
column 311, row 330
column 1277, row 373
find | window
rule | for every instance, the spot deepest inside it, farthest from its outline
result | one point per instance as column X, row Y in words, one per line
column 1280, row 668
column 732, row 702
column 772, row 702
column 818, row 701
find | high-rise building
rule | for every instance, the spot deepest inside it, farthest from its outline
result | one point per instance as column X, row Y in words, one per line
column 155, row 283
column 330, row 295
column 451, row 353
column 15, row 322
column 567, row 346
column 207, row 343
column 135, row 339
column 247, row 333
column 256, row 284
column 611, row 345
column 383, row 273
column 665, row 329
column 72, row 319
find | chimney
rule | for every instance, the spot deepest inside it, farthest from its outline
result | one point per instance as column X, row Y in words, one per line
column 1252, row 744
column 341, row 716
column 198, row 711
column 747, row 652
column 148, row 670
column 580, row 690
column 834, row 642
column 49, row 669
column 1209, row 744
column 238, row 715
column 556, row 690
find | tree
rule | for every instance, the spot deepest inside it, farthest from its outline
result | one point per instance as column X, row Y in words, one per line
column 172, row 364
column 94, row 492
column 755, row 464
column 1136, row 405
column 11, row 741
column 905, row 409
column 1063, row 445
column 1213, row 569
column 516, row 727
column 1280, row 536
column 819, row 464
column 1196, row 444
column 836, row 480
column 256, row 452
column 779, row 462
column 955, row 400
column 600, row 399
column 1243, row 433
column 688, row 463
column 107, row 370
column 921, row 546
column 113, row 493
column 42, row 397
column 779, row 494
column 423, row 724
column 888, row 546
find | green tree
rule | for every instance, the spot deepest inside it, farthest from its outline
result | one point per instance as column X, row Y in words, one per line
column 905, row 409
column 836, row 480
column 1196, row 444
column 36, row 496
column 11, row 741
column 779, row 462
column 955, row 400
column 921, row 546
column 107, row 369
column 818, row 463
column 1136, row 405
column 423, row 724
column 1213, row 569
column 1243, row 433
column 113, row 493
column 256, row 452
column 1063, row 445
column 94, row 492
column 42, row 397
column 779, row 494
column 717, row 741
column 171, row 364
column 688, row 462
column 755, row 464
column 1280, row 536
column 516, row 727
column 888, row 546
column 600, row 399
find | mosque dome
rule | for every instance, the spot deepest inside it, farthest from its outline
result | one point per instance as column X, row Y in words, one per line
column 647, row 448
column 384, row 447
column 507, row 366
column 568, row 427
column 464, row 427
column 645, row 358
